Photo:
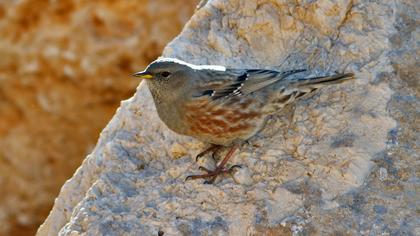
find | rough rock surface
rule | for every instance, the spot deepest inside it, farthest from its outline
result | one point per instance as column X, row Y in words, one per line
column 343, row 161
column 64, row 69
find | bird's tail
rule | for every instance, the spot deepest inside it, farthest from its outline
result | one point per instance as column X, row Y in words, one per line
column 296, row 88
column 313, row 83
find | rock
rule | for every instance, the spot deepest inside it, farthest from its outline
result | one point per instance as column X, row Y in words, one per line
column 313, row 169
column 64, row 69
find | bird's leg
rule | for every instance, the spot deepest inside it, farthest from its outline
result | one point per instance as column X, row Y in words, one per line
column 212, row 174
column 213, row 148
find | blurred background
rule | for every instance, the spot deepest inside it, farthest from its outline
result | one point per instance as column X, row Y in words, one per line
column 65, row 66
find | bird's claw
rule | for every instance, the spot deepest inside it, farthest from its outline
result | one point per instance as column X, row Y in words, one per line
column 213, row 149
column 189, row 177
column 204, row 169
column 232, row 168
column 200, row 155
column 213, row 155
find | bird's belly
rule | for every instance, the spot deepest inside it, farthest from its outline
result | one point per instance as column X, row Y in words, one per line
column 221, row 125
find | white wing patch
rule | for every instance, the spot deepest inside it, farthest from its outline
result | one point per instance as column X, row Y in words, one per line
column 238, row 90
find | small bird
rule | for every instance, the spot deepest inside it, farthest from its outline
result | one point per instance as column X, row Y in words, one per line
column 223, row 107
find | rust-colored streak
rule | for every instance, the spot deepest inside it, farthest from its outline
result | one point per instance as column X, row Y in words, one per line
column 237, row 128
column 194, row 129
column 204, row 129
column 219, row 123
column 218, row 112
column 196, row 106
column 203, row 120
column 210, row 125
column 250, row 115
column 245, row 104
column 238, row 116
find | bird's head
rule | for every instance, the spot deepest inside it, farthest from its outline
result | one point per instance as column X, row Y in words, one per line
column 167, row 77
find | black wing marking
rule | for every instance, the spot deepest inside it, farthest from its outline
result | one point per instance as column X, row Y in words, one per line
column 231, row 88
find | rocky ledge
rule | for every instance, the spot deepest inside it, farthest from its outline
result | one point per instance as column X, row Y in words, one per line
column 338, row 162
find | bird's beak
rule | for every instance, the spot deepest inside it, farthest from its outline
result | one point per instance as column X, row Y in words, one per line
column 143, row 75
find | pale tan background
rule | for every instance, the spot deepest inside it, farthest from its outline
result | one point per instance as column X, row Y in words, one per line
column 64, row 68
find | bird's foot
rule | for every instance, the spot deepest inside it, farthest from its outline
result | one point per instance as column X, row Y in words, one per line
column 212, row 174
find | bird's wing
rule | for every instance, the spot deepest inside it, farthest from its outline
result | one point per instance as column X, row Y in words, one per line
column 235, row 82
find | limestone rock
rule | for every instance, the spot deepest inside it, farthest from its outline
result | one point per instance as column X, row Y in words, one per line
column 316, row 167
column 64, row 69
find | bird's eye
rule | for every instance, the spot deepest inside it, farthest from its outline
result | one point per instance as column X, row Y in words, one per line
column 165, row 74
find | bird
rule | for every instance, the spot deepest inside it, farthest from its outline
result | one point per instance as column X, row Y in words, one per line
column 221, row 106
